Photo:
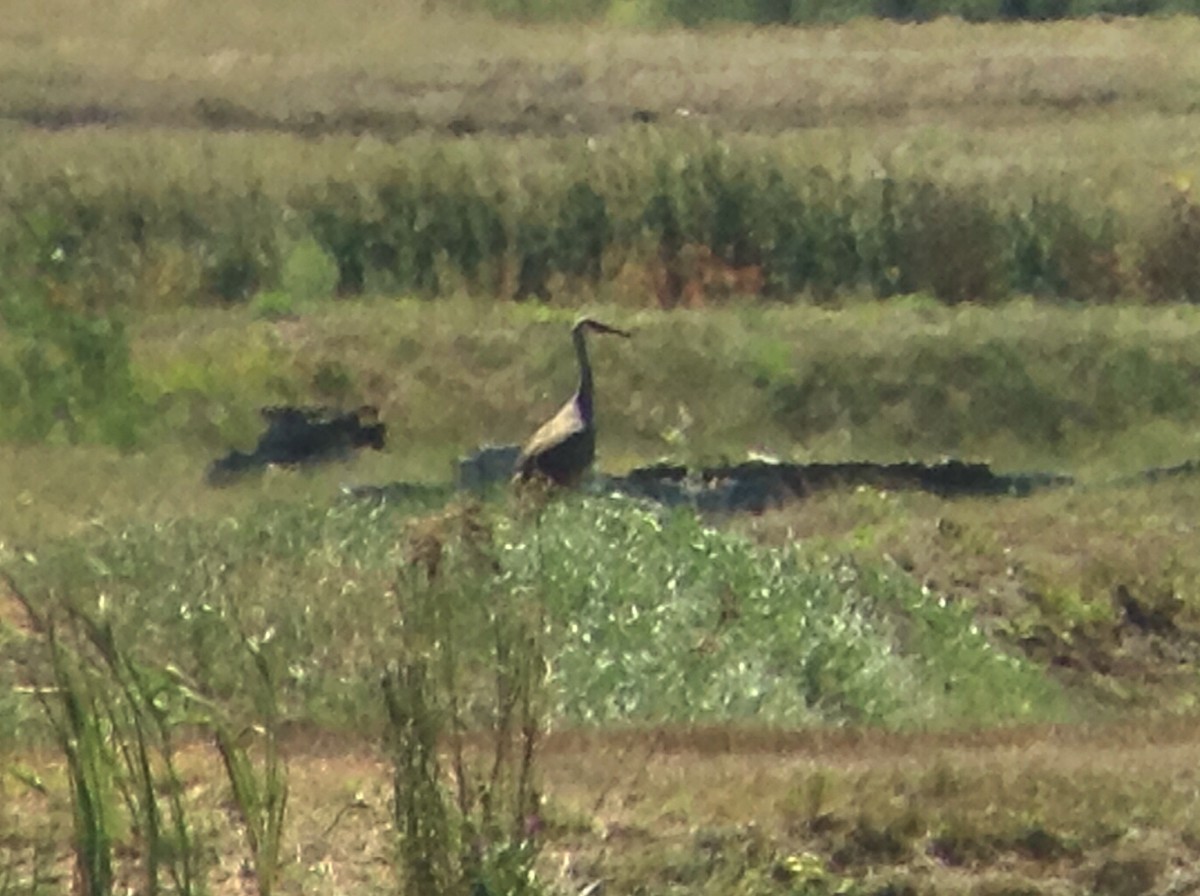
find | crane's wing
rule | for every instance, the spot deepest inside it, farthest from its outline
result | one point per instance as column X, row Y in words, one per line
column 566, row 423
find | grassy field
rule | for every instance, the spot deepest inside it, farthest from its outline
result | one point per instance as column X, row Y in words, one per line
column 853, row 611
column 1097, row 393
column 1107, row 105
column 155, row 175
column 778, row 724
column 359, row 66
column 269, row 688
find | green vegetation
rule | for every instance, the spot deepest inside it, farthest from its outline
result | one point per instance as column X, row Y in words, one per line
column 115, row 724
column 684, row 624
column 644, row 616
column 648, row 619
column 680, row 216
column 965, row 163
column 65, row 374
column 1021, row 385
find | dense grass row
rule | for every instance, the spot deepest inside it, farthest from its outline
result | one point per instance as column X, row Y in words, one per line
column 646, row 617
column 805, row 12
column 672, row 218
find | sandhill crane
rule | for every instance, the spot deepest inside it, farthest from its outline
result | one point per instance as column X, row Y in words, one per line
column 564, row 446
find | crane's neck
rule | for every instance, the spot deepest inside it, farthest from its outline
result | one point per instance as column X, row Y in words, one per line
column 583, row 396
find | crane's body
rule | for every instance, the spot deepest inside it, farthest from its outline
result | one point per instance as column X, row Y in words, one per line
column 564, row 446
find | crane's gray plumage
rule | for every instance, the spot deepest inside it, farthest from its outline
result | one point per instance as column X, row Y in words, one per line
column 564, row 446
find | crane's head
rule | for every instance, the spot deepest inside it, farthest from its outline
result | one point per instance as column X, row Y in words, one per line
column 585, row 324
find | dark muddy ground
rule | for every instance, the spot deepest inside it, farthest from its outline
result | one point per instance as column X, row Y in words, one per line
column 757, row 485
column 297, row 436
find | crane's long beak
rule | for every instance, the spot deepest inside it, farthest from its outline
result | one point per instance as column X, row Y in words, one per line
column 605, row 328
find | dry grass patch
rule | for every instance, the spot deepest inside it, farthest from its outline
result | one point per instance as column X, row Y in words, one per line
column 409, row 64
column 78, row 491
column 978, row 101
column 1048, row 810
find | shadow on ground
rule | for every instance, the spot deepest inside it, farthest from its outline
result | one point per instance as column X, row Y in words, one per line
column 299, row 436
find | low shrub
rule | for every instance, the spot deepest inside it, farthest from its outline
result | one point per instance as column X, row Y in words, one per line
column 1170, row 262
column 65, row 373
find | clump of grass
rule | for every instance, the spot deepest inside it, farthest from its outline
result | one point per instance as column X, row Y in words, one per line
column 114, row 721
column 115, row 716
column 259, row 789
column 66, row 373
column 470, row 666
column 1169, row 268
column 108, row 243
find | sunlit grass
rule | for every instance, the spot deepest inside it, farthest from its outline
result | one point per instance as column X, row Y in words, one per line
column 320, row 55
column 721, row 810
column 1020, row 385
column 649, row 618
column 646, row 617
column 1096, row 580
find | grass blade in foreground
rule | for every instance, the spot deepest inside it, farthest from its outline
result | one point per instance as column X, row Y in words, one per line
column 109, row 723
column 470, row 679
column 259, row 790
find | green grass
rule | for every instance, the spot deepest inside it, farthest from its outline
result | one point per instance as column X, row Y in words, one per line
column 649, row 618
column 1020, row 385
column 849, row 609
column 135, row 640
column 1095, row 392
column 669, row 621
column 664, row 216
